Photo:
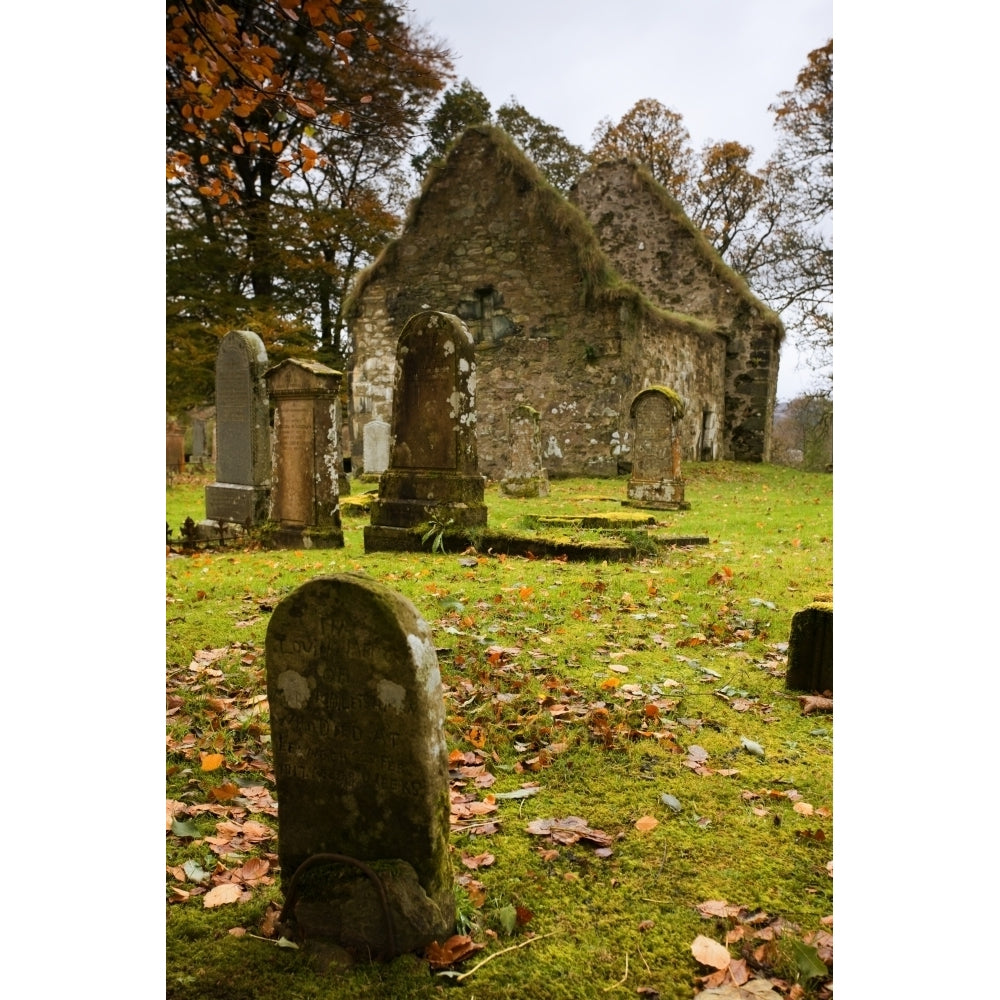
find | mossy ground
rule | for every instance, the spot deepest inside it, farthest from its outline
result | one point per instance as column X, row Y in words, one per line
column 593, row 681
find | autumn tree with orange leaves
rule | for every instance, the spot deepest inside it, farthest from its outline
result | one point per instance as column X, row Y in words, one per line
column 287, row 124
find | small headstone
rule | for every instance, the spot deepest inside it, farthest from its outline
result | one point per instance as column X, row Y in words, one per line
column 656, row 482
column 243, row 439
column 433, row 474
column 198, row 453
column 305, row 485
column 376, row 447
column 810, row 649
column 361, row 766
column 175, row 447
column 526, row 476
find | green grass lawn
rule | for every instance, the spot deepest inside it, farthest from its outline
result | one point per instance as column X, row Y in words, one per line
column 628, row 693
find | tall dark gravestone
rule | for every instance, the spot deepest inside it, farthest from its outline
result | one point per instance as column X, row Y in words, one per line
column 361, row 767
column 810, row 649
column 241, row 491
column 433, row 472
column 307, row 467
column 656, row 482
column 525, row 475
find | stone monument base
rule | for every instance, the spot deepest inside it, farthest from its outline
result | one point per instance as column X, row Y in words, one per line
column 237, row 503
column 282, row 536
column 662, row 494
column 344, row 909
column 219, row 532
column 410, row 501
column 525, row 486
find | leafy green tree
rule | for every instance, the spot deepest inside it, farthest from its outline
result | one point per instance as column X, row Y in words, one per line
column 460, row 108
column 559, row 159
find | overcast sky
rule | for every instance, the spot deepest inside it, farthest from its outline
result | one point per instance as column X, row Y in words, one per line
column 719, row 63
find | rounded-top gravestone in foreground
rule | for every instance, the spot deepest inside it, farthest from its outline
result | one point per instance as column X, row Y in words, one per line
column 361, row 765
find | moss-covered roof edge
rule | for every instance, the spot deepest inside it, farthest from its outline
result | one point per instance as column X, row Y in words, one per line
column 602, row 283
column 719, row 267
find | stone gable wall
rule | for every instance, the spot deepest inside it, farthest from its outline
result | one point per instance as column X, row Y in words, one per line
column 483, row 244
column 660, row 255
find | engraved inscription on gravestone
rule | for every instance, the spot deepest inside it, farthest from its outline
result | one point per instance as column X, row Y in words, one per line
column 305, row 491
column 425, row 438
column 656, row 480
column 294, row 432
column 357, row 727
column 433, row 469
column 651, row 453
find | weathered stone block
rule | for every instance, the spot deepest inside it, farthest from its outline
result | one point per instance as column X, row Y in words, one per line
column 357, row 728
column 810, row 649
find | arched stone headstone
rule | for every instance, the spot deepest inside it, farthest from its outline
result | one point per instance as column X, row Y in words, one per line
column 243, row 447
column 376, row 447
column 433, row 462
column 361, row 765
column 656, row 480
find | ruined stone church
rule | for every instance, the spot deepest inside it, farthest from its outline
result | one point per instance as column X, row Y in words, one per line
column 575, row 305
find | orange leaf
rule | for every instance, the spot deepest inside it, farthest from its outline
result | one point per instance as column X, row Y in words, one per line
column 211, row 761
column 610, row 683
column 710, row 952
column 646, row 823
column 225, row 791
column 254, row 868
column 228, row 892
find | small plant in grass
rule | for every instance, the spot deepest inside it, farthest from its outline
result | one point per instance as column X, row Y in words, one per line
column 437, row 526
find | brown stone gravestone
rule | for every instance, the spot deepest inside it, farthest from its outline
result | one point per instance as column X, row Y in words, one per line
column 526, row 476
column 361, row 767
column 305, row 485
column 175, row 447
column 433, row 474
column 243, row 443
column 810, row 649
column 656, row 482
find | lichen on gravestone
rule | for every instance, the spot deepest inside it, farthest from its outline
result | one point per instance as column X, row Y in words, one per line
column 357, row 727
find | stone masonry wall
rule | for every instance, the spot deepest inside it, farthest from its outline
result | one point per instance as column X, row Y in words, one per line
column 660, row 254
column 482, row 245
